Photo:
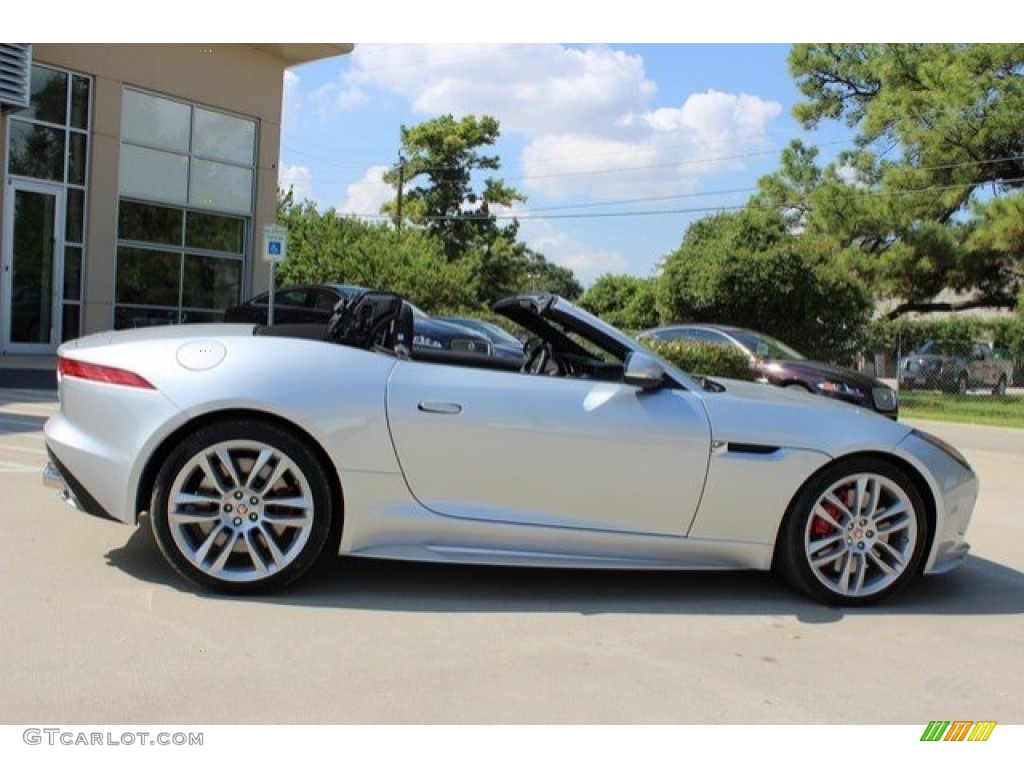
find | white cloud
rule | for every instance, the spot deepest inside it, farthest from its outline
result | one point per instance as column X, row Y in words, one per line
column 338, row 97
column 586, row 112
column 299, row 178
column 565, row 250
column 529, row 88
column 366, row 196
column 669, row 152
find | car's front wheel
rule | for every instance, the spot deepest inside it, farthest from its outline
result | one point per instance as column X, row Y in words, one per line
column 855, row 534
column 241, row 507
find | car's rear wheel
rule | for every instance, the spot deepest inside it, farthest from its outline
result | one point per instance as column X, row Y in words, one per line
column 855, row 534
column 241, row 507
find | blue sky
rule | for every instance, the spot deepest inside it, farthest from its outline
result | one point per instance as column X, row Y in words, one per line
column 615, row 146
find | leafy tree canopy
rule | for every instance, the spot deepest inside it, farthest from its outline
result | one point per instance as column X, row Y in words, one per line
column 623, row 300
column 928, row 199
column 445, row 153
column 749, row 269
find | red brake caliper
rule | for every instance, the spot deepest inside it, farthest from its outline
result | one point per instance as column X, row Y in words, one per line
column 820, row 528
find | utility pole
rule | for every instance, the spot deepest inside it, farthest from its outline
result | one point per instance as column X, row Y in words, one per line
column 401, row 182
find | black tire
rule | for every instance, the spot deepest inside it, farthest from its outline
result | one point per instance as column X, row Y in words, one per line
column 242, row 507
column 1000, row 388
column 828, row 540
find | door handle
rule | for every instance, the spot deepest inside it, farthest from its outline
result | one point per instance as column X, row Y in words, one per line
column 451, row 409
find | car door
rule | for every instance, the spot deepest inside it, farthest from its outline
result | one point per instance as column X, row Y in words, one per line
column 552, row 451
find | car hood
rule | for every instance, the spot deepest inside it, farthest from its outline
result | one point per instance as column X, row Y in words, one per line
column 826, row 371
column 750, row 413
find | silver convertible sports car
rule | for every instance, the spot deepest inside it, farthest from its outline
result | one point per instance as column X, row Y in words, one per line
column 255, row 450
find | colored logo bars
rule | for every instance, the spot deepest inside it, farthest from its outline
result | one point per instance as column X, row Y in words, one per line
column 958, row 730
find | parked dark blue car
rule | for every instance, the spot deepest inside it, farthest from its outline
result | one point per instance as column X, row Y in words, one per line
column 314, row 303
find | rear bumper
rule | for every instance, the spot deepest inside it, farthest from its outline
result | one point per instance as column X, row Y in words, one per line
column 70, row 491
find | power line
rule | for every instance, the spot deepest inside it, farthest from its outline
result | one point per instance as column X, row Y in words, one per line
column 528, row 215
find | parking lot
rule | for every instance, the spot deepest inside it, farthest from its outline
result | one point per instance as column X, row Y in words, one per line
column 98, row 630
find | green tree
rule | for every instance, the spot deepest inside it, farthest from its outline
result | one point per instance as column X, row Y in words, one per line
column 446, row 152
column 327, row 247
column 625, row 301
column 940, row 129
column 750, row 269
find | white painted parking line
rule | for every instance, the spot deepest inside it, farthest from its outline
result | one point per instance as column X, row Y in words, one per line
column 12, row 467
column 4, row 446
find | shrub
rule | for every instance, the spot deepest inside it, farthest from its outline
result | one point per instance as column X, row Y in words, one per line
column 699, row 358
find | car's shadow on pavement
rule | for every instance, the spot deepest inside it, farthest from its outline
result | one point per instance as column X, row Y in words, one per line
column 978, row 588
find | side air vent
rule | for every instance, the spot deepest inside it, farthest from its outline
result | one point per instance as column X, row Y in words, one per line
column 15, row 76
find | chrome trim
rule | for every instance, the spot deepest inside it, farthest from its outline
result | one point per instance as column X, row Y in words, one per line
column 53, row 479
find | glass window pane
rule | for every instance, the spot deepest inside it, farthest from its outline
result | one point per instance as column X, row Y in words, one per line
column 77, row 157
column 155, row 122
column 293, row 298
column 153, row 175
column 49, row 95
column 72, row 273
column 36, row 151
column 220, row 186
column 215, row 233
column 147, row 277
column 74, row 227
column 149, row 223
column 31, row 269
column 71, row 322
column 211, row 282
column 80, row 101
column 201, row 316
column 143, row 317
column 224, row 137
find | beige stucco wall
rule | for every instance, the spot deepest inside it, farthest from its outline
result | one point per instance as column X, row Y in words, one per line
column 233, row 77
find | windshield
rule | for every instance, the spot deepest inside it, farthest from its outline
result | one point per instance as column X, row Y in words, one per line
column 765, row 347
column 943, row 348
column 495, row 333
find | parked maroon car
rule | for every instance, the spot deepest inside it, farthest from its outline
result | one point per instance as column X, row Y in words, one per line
column 776, row 363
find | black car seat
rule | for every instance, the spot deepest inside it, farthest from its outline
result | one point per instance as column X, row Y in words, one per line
column 402, row 331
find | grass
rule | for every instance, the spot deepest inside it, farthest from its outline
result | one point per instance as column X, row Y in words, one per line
column 1005, row 411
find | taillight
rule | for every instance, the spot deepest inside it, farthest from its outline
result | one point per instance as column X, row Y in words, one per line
column 104, row 373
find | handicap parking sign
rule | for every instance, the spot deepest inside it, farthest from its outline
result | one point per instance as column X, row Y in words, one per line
column 275, row 243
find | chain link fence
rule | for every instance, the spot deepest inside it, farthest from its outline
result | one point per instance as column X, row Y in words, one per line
column 955, row 368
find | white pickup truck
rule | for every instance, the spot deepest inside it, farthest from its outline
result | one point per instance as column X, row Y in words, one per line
column 955, row 367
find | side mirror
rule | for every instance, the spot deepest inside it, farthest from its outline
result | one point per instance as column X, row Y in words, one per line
column 643, row 371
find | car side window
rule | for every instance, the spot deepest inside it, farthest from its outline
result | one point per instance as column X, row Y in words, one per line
column 708, row 337
column 293, row 298
column 671, row 334
column 324, row 301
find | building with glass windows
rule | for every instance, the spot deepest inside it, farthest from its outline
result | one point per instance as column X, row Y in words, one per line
column 136, row 183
